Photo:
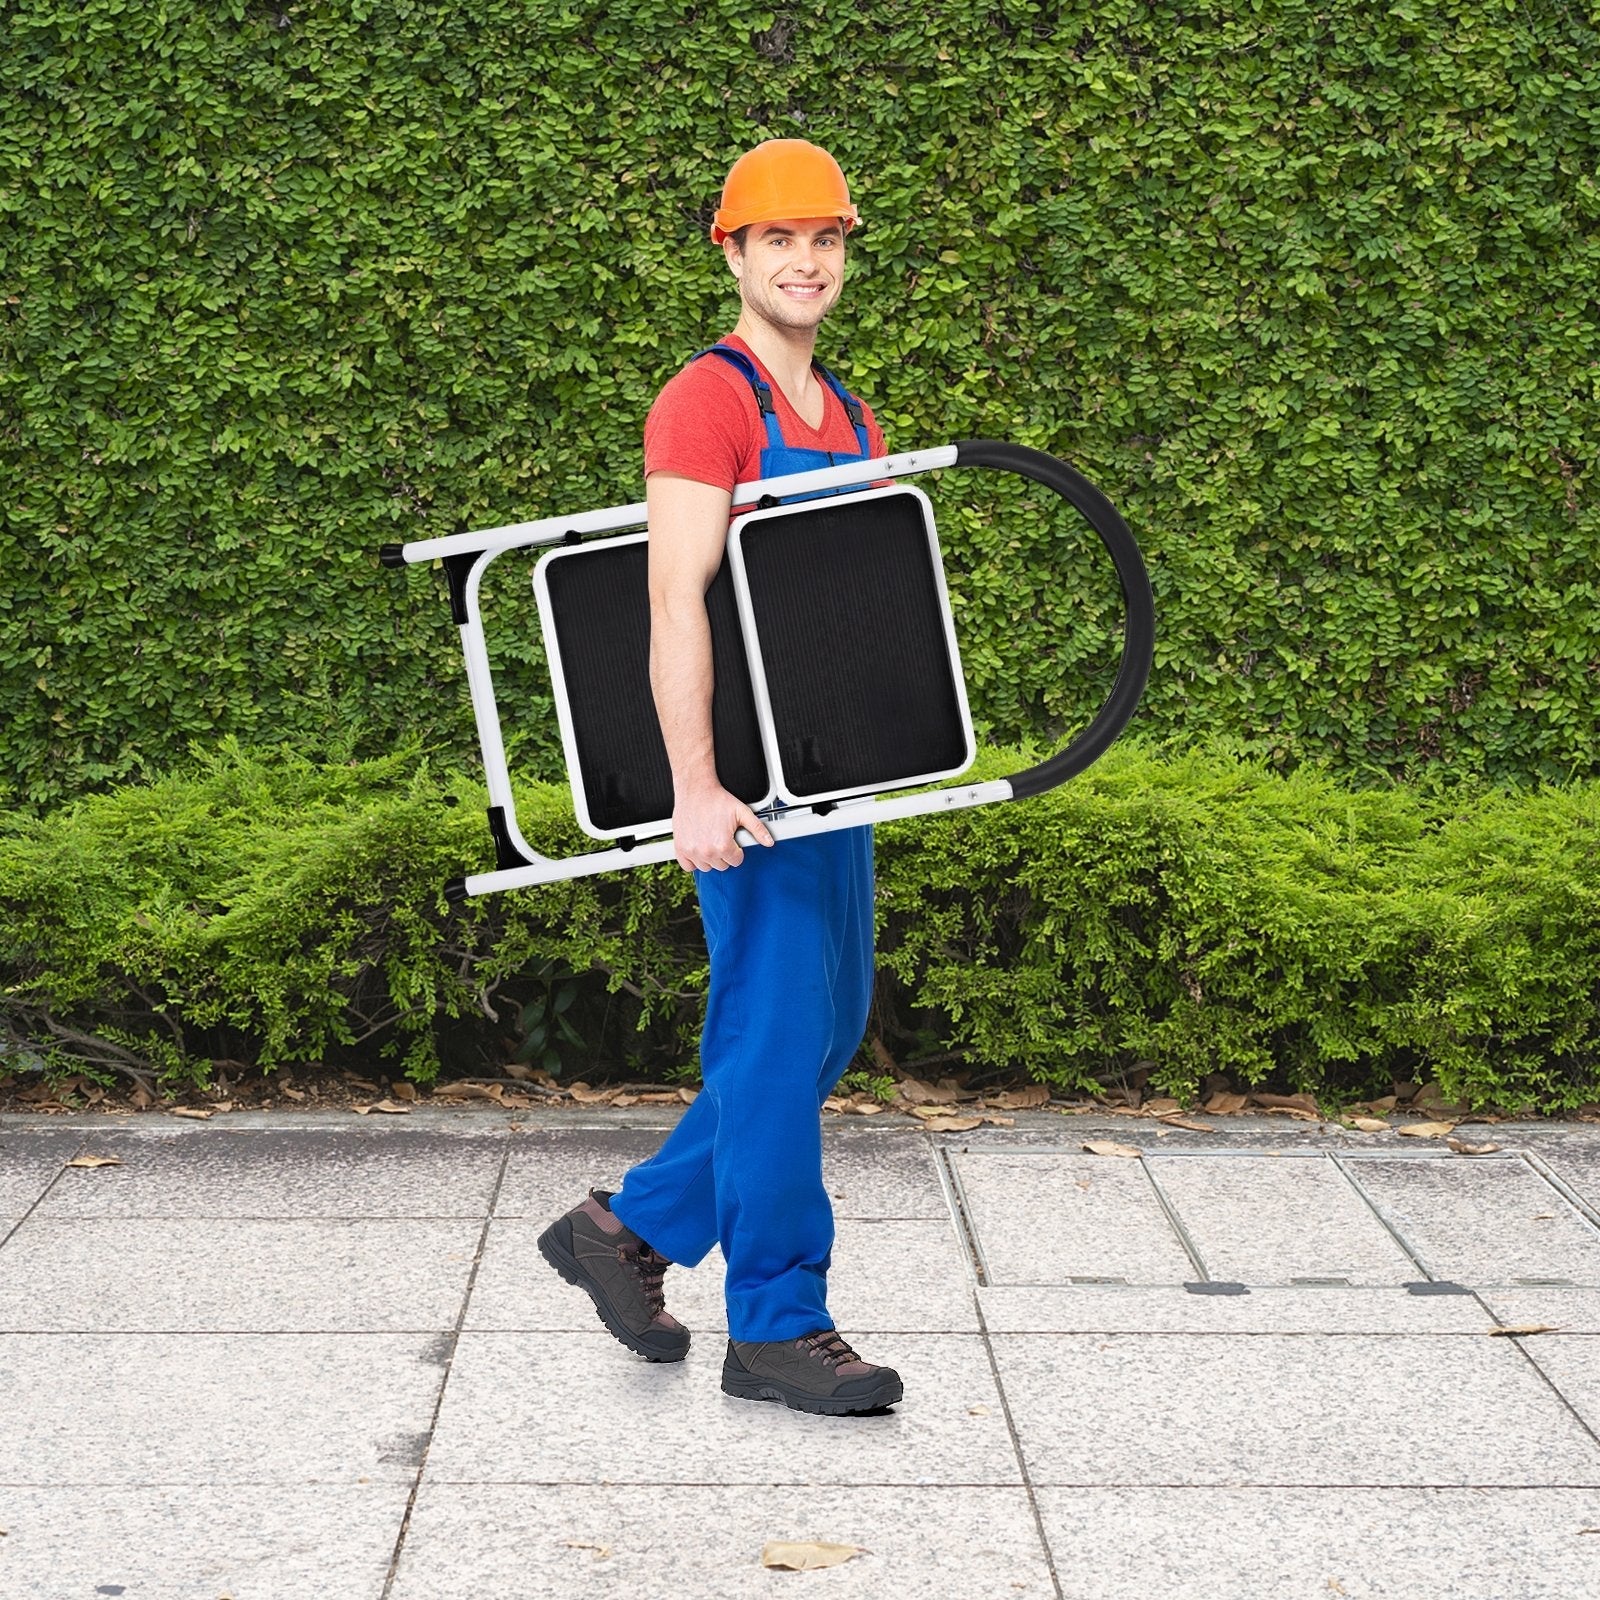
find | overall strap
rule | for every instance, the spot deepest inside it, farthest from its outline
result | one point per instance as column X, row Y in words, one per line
column 769, row 410
column 764, row 401
column 851, row 405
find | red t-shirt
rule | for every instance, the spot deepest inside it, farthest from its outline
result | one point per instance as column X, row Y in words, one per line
column 706, row 425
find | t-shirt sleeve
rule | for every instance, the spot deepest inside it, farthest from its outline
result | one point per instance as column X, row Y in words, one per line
column 698, row 427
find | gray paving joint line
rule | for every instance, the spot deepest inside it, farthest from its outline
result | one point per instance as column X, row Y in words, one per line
column 1016, row 1448
column 1383, row 1217
column 39, row 1199
column 955, row 1197
column 1565, row 1190
column 1175, row 1222
column 444, row 1379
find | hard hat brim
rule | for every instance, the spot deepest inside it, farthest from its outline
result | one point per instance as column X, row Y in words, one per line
column 727, row 224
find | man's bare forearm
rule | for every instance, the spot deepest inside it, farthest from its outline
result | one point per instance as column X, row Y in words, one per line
column 681, row 679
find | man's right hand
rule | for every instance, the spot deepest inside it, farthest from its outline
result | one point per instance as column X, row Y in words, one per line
column 703, row 824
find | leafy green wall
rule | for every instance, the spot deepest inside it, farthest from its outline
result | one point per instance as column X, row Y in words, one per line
column 1309, row 292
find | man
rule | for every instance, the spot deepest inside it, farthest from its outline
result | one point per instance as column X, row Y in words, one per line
column 789, row 926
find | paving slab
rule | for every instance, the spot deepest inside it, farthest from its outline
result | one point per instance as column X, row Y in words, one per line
column 705, row 1540
column 1572, row 1364
column 869, row 1173
column 1302, row 1409
column 178, row 1169
column 216, row 1408
column 1367, row 1544
column 881, row 1172
column 900, row 1276
column 1254, row 1219
column 197, row 1275
column 289, row 1542
column 29, row 1163
column 1483, row 1220
column 579, row 1408
column 1331, row 1309
column 550, row 1170
column 1571, row 1310
column 1053, row 1216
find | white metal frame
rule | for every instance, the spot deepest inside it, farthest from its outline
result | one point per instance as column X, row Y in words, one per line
column 488, row 545
column 758, row 668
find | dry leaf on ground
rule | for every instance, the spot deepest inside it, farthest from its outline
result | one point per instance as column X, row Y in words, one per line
column 293, row 1094
column 471, row 1091
column 1036, row 1094
column 391, row 1107
column 601, row 1551
column 687, row 1094
column 403, row 1091
column 1185, row 1122
column 865, row 1107
column 1109, row 1147
column 1370, row 1124
column 1161, row 1106
column 1462, row 1148
column 918, row 1092
column 626, row 1100
column 1426, row 1130
column 585, row 1096
column 94, row 1161
column 977, row 1411
column 1521, row 1331
column 196, row 1112
column 954, row 1124
column 1223, row 1105
column 1285, row 1102
column 806, row 1555
column 998, row 1122
column 833, row 1103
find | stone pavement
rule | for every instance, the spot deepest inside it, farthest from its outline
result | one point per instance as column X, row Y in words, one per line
column 277, row 1356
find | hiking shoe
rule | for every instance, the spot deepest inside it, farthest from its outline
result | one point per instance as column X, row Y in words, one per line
column 818, row 1372
column 620, row 1273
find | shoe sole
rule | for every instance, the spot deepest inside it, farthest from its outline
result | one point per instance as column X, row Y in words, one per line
column 563, row 1260
column 748, row 1386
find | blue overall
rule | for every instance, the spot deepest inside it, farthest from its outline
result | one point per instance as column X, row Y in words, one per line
column 790, row 935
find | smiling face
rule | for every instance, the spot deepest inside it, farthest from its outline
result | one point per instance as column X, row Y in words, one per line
column 790, row 273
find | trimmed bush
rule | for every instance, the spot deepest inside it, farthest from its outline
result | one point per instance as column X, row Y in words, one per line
column 1196, row 911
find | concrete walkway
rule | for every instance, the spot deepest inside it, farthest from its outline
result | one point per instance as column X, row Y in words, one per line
column 279, row 1356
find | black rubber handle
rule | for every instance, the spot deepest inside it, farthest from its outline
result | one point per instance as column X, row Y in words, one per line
column 1139, row 633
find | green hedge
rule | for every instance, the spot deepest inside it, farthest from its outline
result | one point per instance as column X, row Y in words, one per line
column 1197, row 912
column 1309, row 291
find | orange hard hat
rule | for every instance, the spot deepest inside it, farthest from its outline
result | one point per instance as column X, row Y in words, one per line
column 780, row 179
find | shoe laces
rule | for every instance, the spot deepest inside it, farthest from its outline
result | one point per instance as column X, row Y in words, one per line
column 829, row 1346
column 650, row 1267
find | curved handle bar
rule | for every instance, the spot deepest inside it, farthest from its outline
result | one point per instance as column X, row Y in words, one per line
column 1139, row 632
